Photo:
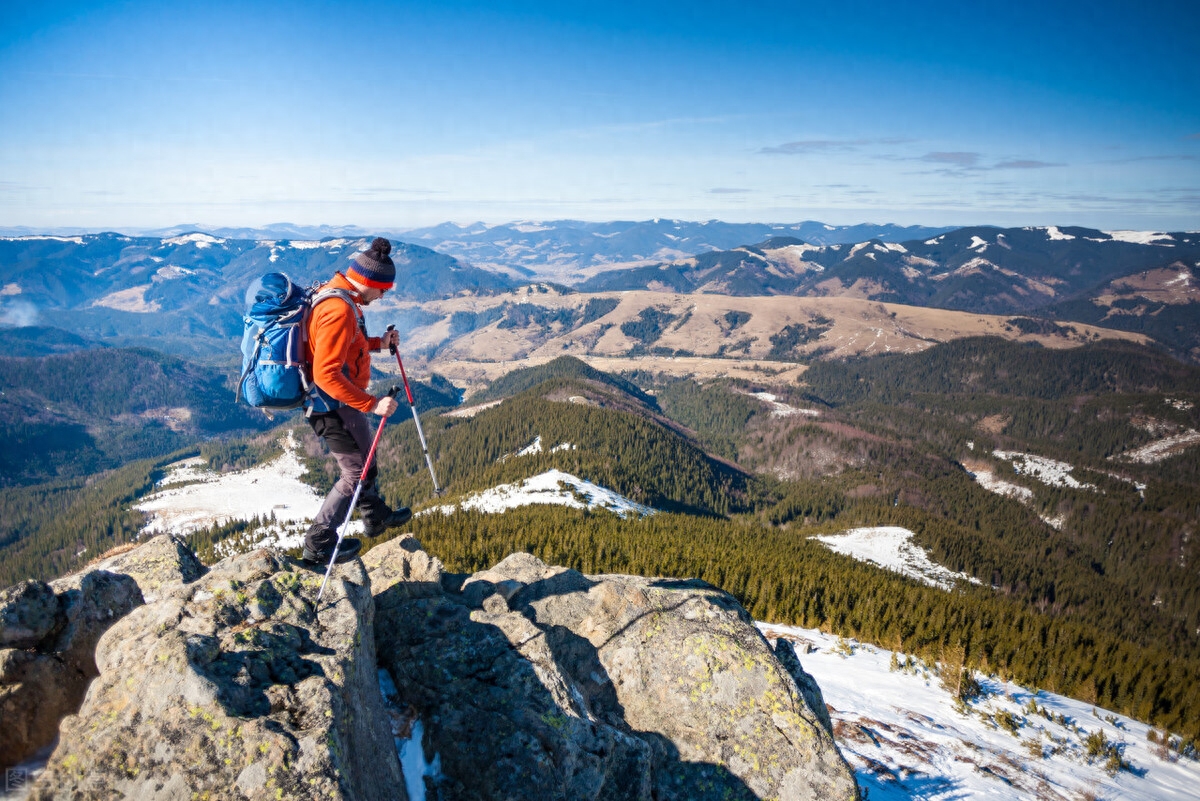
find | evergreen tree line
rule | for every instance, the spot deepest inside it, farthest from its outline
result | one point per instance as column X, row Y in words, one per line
column 51, row 529
column 1076, row 573
column 1124, row 554
column 622, row 450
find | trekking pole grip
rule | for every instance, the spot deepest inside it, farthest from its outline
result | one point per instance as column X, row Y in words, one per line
column 392, row 347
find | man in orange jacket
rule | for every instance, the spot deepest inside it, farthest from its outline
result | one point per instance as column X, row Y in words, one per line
column 338, row 349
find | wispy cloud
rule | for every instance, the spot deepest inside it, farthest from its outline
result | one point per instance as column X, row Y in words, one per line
column 727, row 190
column 957, row 158
column 1026, row 164
column 805, row 146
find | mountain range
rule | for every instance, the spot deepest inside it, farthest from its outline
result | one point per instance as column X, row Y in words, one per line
column 570, row 250
column 185, row 292
column 1124, row 280
column 188, row 288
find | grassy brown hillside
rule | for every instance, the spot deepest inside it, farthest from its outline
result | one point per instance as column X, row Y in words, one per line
column 476, row 339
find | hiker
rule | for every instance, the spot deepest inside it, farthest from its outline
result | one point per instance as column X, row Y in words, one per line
column 338, row 350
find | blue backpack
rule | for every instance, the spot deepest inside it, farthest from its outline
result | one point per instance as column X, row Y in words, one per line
column 275, row 375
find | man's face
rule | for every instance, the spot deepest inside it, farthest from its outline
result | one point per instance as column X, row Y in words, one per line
column 370, row 294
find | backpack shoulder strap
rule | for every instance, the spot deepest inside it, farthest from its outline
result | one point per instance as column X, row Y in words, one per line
column 355, row 311
column 334, row 293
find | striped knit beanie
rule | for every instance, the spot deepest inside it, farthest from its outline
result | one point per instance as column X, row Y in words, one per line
column 373, row 267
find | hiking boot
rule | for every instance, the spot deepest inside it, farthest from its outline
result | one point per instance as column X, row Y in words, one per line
column 349, row 550
column 394, row 520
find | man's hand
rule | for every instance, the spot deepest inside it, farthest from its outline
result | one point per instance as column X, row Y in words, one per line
column 390, row 339
column 385, row 405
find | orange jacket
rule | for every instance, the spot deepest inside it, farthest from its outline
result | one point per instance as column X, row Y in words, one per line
column 338, row 348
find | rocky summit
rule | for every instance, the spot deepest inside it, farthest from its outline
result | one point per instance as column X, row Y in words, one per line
column 528, row 681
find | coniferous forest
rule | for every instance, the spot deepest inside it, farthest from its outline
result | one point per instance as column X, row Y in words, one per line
column 1087, row 588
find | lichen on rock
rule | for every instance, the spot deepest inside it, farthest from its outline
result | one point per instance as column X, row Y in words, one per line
column 241, row 686
column 541, row 682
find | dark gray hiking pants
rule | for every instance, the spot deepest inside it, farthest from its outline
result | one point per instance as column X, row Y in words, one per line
column 347, row 434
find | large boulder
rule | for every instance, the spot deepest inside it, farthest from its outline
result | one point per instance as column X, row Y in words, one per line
column 28, row 612
column 57, row 626
column 158, row 565
column 541, row 682
column 239, row 685
column 40, row 685
column 36, row 691
column 786, row 653
column 500, row 716
column 683, row 664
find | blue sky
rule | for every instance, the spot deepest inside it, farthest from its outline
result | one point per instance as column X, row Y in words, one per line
column 398, row 114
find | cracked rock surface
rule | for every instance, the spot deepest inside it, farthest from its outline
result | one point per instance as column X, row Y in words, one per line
column 238, row 685
column 541, row 682
column 530, row 682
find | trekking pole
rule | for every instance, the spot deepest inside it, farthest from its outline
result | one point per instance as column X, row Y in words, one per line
column 412, row 405
column 354, row 501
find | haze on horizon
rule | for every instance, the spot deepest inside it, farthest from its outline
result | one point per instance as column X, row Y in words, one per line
column 401, row 114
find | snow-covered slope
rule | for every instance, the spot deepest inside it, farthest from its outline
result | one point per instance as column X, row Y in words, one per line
column 192, row 498
column 901, row 732
column 552, row 487
column 891, row 548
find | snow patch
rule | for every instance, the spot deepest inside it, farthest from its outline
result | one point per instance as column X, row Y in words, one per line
column 408, row 733
column 199, row 240
column 563, row 446
column 532, row 448
column 978, row 242
column 1050, row 472
column 989, row 482
column 1054, row 234
column 192, row 497
column 891, row 548
column 1139, row 237
column 900, row 731
column 799, row 250
column 172, row 271
column 974, row 265
column 308, row 244
column 552, row 487
column 780, row 409
column 895, row 247
column 78, row 240
column 1163, row 448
